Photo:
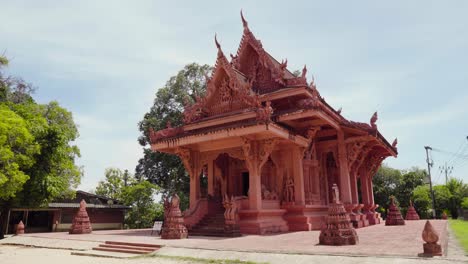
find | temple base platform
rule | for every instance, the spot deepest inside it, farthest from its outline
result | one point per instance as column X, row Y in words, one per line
column 305, row 218
column 262, row 222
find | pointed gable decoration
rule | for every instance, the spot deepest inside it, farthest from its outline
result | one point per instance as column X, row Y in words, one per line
column 264, row 71
column 227, row 90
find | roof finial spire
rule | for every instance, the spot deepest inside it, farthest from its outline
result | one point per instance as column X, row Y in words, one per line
column 217, row 43
column 373, row 120
column 244, row 22
column 304, row 71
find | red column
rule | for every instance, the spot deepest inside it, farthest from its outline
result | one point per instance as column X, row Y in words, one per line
column 354, row 191
column 364, row 187
column 298, row 173
column 345, row 186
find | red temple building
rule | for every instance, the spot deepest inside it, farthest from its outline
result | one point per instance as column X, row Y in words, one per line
column 266, row 138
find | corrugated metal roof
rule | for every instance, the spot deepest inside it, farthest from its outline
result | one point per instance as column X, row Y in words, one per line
column 77, row 205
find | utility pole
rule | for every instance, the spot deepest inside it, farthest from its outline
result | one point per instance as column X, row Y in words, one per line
column 429, row 165
column 447, row 170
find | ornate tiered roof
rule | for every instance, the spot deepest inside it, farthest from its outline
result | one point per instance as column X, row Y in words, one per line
column 255, row 88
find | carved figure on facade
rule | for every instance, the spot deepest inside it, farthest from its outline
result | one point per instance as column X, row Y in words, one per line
column 264, row 113
column 267, row 194
column 231, row 216
column 289, row 195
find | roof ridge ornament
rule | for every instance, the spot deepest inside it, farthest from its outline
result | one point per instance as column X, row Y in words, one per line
column 244, row 22
column 304, row 71
column 217, row 43
column 373, row 120
column 395, row 143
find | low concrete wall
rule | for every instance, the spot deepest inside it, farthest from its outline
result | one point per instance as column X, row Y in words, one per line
column 96, row 226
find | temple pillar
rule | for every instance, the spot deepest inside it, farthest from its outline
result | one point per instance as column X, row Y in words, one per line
column 370, row 190
column 354, row 191
column 256, row 154
column 210, row 178
column 193, row 166
column 364, row 187
column 345, row 187
column 298, row 173
column 193, row 191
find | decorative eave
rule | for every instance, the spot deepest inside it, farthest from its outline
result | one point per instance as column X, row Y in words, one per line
column 169, row 145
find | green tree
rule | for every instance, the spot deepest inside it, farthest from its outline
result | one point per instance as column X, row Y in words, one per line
column 442, row 197
column 139, row 195
column 115, row 181
column 422, row 201
column 408, row 182
column 385, row 184
column 44, row 168
column 458, row 190
column 143, row 212
column 464, row 203
column 164, row 170
column 17, row 148
column 54, row 173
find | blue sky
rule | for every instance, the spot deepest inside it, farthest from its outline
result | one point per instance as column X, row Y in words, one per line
column 104, row 61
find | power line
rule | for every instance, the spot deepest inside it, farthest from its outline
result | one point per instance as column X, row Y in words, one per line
column 447, row 170
column 460, row 149
column 451, row 153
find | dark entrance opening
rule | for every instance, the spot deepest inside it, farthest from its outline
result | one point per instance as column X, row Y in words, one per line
column 245, row 183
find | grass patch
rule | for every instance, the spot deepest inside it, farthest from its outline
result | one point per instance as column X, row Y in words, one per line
column 460, row 228
column 201, row 260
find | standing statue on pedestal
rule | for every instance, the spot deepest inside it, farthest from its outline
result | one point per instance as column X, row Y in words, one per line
column 337, row 230
column 173, row 227
column 231, row 217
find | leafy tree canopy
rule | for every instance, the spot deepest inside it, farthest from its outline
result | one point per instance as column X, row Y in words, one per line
column 139, row 195
column 17, row 148
column 46, row 166
column 159, row 168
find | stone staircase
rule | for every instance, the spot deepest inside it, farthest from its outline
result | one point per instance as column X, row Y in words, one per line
column 212, row 224
column 129, row 248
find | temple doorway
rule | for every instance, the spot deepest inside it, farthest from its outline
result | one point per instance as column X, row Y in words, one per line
column 245, row 183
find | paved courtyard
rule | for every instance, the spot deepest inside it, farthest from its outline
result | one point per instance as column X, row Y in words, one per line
column 378, row 244
column 378, row 240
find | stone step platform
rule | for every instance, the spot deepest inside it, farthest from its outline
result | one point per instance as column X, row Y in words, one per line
column 125, row 247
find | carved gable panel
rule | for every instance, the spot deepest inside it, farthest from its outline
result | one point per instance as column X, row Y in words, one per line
column 226, row 98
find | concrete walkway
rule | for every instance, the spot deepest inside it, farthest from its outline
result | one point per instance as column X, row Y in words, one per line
column 378, row 240
column 378, row 244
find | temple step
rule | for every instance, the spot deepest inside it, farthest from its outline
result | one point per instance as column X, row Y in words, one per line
column 120, row 250
column 125, row 247
column 128, row 247
column 133, row 244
